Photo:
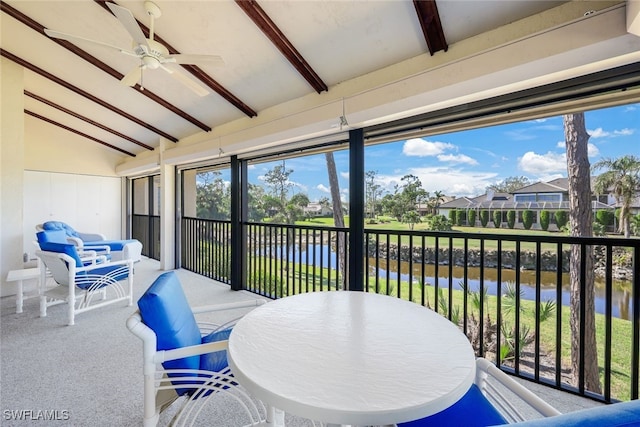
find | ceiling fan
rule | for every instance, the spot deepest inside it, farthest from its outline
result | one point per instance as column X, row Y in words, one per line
column 152, row 54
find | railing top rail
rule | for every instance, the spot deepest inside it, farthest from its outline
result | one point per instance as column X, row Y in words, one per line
column 605, row 241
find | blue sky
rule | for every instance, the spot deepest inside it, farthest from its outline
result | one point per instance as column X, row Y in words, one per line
column 465, row 163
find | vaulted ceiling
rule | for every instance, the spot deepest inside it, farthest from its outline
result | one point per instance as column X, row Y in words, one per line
column 275, row 53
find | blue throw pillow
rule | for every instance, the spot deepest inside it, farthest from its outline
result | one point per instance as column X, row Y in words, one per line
column 65, row 248
column 216, row 361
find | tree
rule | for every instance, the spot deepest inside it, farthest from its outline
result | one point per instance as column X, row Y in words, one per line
column 294, row 209
column 411, row 218
column 497, row 219
column 580, row 219
column 405, row 198
column 256, row 204
column 472, row 218
column 561, row 218
column 372, row 192
column 511, row 218
column 510, row 184
column 434, row 201
column 338, row 214
column 544, row 219
column 484, row 217
column 622, row 178
column 278, row 179
column 527, row 219
column 213, row 197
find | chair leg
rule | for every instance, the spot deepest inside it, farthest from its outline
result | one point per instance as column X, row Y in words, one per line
column 275, row 417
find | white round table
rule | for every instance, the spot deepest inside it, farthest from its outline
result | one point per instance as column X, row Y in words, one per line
column 351, row 358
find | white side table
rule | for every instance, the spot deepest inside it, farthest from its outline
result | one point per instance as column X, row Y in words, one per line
column 19, row 276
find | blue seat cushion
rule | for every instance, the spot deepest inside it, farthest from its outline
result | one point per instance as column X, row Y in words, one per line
column 216, row 361
column 623, row 414
column 115, row 245
column 472, row 410
column 164, row 309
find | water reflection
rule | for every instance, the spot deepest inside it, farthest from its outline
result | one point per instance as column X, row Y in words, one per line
column 323, row 254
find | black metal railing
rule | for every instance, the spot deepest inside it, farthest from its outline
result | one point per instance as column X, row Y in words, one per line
column 510, row 294
column 206, row 248
column 146, row 229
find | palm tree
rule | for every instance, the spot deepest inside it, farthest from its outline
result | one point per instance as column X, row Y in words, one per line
column 622, row 178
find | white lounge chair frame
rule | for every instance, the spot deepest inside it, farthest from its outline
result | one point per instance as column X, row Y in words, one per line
column 64, row 271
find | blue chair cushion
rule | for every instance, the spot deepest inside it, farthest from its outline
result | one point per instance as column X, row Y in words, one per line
column 59, row 225
column 216, row 361
column 164, row 309
column 65, row 248
column 472, row 410
column 623, row 414
column 52, row 236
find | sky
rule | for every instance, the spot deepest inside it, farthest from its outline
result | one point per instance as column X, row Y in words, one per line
column 465, row 163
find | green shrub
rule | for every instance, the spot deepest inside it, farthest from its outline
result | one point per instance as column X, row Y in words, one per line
column 545, row 217
column 484, row 217
column 562, row 217
column 511, row 218
column 497, row 219
column 604, row 217
column 437, row 223
column 452, row 216
column 472, row 218
column 461, row 217
column 598, row 229
column 527, row 219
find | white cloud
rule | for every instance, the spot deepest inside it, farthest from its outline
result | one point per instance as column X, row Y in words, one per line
column 323, row 188
column 345, row 175
column 457, row 158
column 561, row 144
column 598, row 133
column 453, row 182
column 540, row 164
column 422, row 148
column 624, row 132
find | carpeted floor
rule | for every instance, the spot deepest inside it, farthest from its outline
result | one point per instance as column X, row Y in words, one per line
column 90, row 373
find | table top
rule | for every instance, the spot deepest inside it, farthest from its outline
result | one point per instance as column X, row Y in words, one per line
column 26, row 273
column 351, row 358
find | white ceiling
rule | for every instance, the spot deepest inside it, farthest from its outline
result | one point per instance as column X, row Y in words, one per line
column 342, row 41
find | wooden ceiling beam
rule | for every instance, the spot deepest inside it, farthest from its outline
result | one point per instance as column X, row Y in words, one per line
column 21, row 17
column 77, row 132
column 85, row 119
column 193, row 69
column 273, row 33
column 429, row 19
column 10, row 56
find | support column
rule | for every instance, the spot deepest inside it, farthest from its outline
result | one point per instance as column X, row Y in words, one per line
column 356, row 210
column 239, row 207
column 167, row 212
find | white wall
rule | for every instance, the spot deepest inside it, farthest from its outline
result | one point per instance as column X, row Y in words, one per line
column 87, row 203
column 11, row 165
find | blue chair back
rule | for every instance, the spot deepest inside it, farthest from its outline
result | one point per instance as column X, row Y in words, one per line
column 164, row 309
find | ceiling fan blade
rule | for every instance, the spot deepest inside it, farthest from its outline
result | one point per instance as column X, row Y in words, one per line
column 185, row 80
column 70, row 37
column 132, row 77
column 185, row 58
column 128, row 21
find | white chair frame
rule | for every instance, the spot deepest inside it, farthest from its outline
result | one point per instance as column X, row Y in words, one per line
column 159, row 390
column 64, row 271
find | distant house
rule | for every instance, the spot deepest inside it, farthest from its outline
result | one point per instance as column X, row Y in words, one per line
column 315, row 209
column 551, row 196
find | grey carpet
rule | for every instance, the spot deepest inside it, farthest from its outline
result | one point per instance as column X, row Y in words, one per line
column 92, row 370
